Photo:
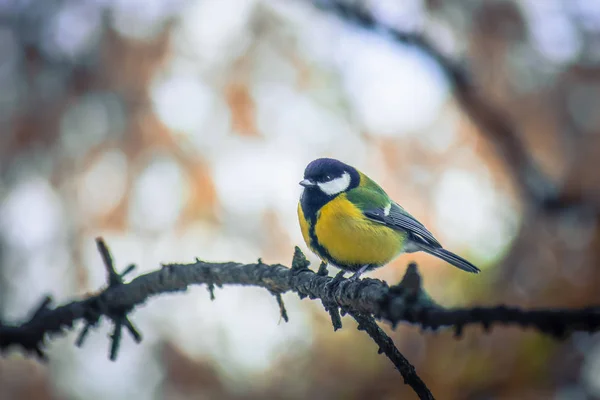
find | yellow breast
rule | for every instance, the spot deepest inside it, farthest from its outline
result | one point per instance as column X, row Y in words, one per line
column 353, row 240
column 304, row 227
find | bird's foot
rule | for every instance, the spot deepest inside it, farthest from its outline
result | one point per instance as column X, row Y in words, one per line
column 355, row 276
column 335, row 281
column 358, row 273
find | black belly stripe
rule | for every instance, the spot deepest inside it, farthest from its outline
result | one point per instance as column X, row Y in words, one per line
column 311, row 202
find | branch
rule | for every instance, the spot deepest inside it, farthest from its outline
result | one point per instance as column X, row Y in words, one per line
column 494, row 123
column 386, row 345
column 405, row 302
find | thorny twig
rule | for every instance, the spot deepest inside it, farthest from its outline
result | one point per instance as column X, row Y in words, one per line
column 386, row 345
column 405, row 302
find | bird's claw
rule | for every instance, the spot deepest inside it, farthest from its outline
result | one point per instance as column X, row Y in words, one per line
column 355, row 276
column 358, row 273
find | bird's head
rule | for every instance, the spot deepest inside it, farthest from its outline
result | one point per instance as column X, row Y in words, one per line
column 329, row 177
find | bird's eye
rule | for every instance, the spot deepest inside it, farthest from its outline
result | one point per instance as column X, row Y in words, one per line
column 328, row 177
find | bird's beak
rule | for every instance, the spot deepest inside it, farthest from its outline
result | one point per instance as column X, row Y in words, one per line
column 307, row 183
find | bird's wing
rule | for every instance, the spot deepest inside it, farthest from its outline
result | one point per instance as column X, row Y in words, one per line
column 397, row 218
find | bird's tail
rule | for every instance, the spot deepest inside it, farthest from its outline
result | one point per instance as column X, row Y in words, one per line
column 451, row 258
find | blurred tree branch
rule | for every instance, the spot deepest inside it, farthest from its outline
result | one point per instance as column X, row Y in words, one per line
column 386, row 345
column 535, row 186
column 363, row 299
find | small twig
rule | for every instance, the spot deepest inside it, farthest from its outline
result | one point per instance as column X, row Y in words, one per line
column 115, row 339
column 299, row 262
column 281, row 305
column 99, row 308
column 137, row 337
column 112, row 276
column 323, row 269
column 83, row 335
column 334, row 314
column 386, row 345
column 211, row 290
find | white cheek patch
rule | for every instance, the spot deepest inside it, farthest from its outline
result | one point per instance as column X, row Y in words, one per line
column 335, row 186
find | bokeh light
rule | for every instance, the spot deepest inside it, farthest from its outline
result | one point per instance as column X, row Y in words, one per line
column 178, row 129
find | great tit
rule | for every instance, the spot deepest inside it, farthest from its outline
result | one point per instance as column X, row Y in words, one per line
column 349, row 221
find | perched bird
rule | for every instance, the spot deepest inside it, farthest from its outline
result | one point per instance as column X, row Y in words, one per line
column 349, row 221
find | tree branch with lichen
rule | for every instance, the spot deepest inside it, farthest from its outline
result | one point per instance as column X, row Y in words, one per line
column 365, row 300
column 536, row 186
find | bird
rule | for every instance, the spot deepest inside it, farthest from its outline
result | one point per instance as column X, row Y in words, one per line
column 350, row 222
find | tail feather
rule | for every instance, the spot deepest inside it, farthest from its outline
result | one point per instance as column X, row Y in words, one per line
column 452, row 258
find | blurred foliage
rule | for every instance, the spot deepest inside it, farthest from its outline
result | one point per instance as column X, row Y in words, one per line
column 178, row 129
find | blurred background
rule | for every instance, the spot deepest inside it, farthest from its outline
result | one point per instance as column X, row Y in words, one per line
column 180, row 128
